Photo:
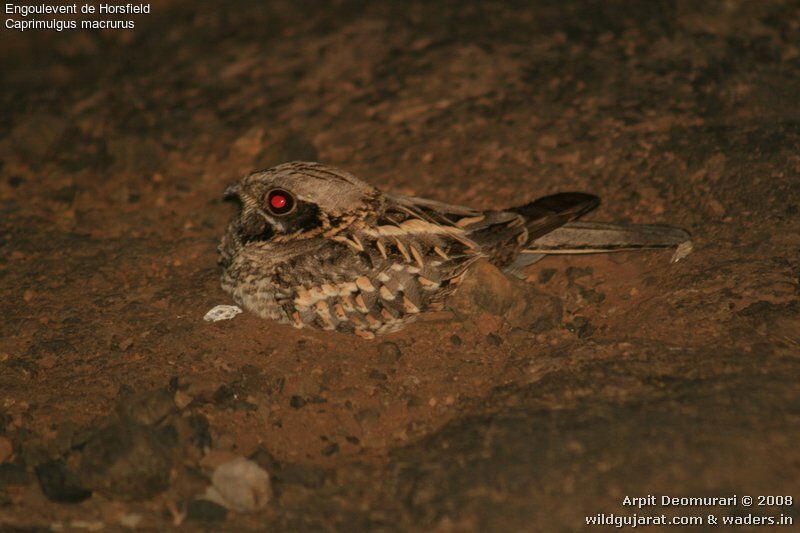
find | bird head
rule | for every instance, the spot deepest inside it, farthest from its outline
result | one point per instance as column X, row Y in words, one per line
column 294, row 201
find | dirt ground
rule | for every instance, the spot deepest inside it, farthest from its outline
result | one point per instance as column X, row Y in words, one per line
column 117, row 400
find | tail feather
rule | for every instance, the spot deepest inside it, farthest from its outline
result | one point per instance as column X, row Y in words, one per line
column 544, row 215
column 591, row 237
column 599, row 237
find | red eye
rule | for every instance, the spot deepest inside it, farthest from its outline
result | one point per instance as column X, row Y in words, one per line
column 280, row 202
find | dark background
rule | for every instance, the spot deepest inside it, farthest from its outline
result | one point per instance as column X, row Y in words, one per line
column 651, row 378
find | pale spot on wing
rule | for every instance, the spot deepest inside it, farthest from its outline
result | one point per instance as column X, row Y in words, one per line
column 427, row 284
column 362, row 306
column 417, row 255
column 409, row 306
column 381, row 248
column 347, row 304
column 297, row 321
column 364, row 333
column 386, row 294
column 402, row 248
column 339, row 311
column 329, row 290
column 374, row 323
column 466, row 221
column 365, row 284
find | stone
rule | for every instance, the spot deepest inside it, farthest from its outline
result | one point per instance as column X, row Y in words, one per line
column 128, row 461
column 486, row 290
column 60, row 484
column 388, row 353
column 221, row 312
column 240, row 485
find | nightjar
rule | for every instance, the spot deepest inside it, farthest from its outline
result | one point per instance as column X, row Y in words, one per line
column 314, row 246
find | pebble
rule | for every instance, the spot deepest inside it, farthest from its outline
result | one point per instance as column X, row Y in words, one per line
column 330, row 449
column 128, row 460
column 130, row 520
column 59, row 484
column 388, row 353
column 222, row 312
column 490, row 297
column 239, row 485
column 683, row 249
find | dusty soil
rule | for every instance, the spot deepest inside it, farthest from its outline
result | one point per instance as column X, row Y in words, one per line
column 117, row 400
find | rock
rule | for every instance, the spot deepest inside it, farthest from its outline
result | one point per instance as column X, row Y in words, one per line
column 683, row 250
column 330, row 449
column 486, row 289
column 130, row 520
column 388, row 353
column 128, row 461
column 240, row 485
column 297, row 402
column 60, row 484
column 201, row 510
column 581, row 327
column 221, row 312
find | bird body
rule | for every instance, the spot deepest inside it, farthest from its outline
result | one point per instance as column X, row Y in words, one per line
column 314, row 246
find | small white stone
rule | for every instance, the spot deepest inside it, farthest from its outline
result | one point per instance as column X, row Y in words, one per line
column 130, row 520
column 240, row 485
column 221, row 312
column 683, row 249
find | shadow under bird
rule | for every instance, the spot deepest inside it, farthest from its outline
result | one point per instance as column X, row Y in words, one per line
column 314, row 246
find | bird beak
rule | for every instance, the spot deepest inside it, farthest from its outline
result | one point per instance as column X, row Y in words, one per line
column 231, row 192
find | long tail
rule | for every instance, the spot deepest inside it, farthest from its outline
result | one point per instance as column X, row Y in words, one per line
column 601, row 237
column 553, row 230
column 594, row 237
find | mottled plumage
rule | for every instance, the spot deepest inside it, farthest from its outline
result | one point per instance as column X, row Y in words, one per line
column 315, row 246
